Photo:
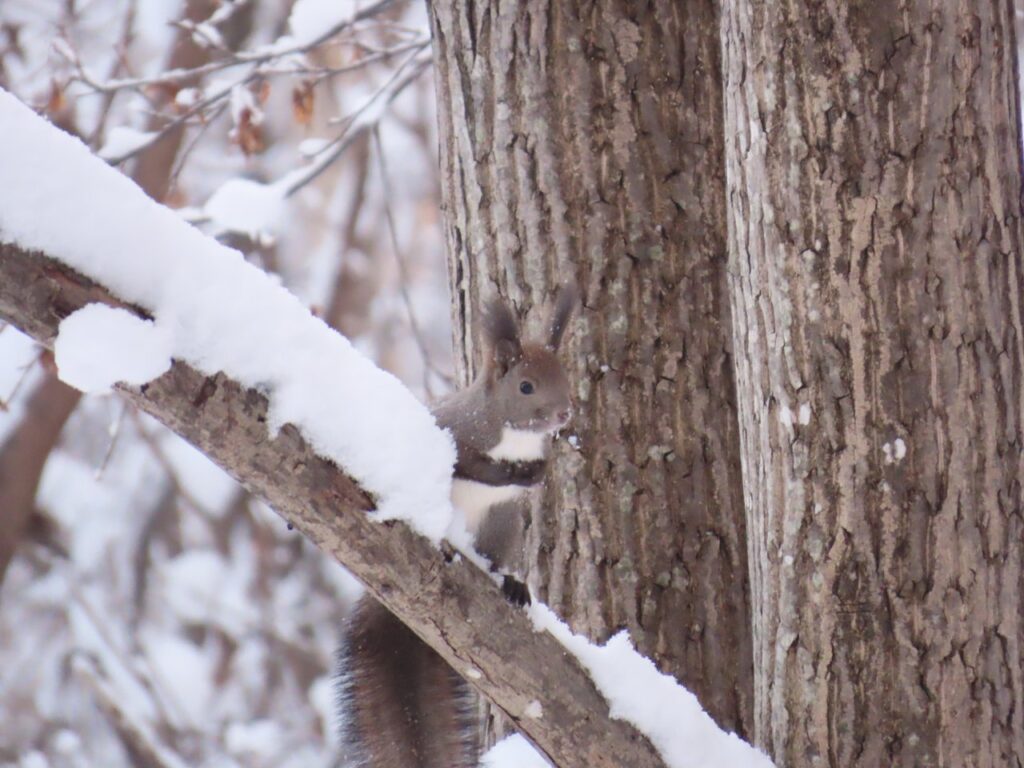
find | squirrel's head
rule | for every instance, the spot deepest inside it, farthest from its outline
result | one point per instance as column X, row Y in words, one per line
column 525, row 381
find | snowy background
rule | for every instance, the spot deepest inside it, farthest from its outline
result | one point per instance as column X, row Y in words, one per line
column 153, row 612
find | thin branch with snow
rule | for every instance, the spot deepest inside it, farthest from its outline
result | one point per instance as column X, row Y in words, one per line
column 361, row 120
column 274, row 52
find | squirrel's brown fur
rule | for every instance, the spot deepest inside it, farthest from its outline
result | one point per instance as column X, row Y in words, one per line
column 403, row 706
column 409, row 708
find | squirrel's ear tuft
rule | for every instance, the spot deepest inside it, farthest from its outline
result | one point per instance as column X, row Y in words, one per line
column 501, row 334
column 561, row 311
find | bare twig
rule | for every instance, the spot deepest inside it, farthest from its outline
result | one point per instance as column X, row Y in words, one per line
column 403, row 271
column 204, row 35
column 138, row 668
column 138, row 736
column 120, row 64
column 250, row 58
column 184, row 117
column 358, row 122
column 322, row 73
column 219, row 96
column 226, row 10
column 162, row 459
column 179, row 161
column 115, row 432
column 22, row 376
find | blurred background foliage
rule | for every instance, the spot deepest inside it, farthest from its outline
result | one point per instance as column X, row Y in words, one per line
column 151, row 612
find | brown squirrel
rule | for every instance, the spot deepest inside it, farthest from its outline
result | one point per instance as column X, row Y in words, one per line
column 404, row 706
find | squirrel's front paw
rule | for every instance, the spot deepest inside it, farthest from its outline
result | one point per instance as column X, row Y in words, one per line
column 515, row 591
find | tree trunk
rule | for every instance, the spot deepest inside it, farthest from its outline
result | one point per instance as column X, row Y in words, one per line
column 875, row 233
column 586, row 140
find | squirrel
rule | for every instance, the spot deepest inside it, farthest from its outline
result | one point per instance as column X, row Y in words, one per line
column 403, row 705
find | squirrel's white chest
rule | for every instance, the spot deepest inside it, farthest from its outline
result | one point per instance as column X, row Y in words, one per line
column 519, row 445
column 475, row 499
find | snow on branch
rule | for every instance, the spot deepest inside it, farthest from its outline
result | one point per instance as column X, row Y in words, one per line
column 213, row 311
column 449, row 602
column 270, row 393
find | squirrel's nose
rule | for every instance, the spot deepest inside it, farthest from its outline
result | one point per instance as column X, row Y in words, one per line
column 564, row 414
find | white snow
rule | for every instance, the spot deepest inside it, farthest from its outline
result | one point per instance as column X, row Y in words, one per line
column 534, row 710
column 243, row 102
column 122, row 141
column 90, row 509
column 139, row 723
column 786, row 416
column 323, row 699
column 802, row 416
column 247, row 207
column 200, row 588
column 310, row 19
column 513, row 752
column 34, row 759
column 312, row 146
column 184, row 674
column 100, row 345
column 668, row 714
column 895, row 451
column 222, row 314
column 805, row 413
column 19, row 374
column 187, row 97
column 206, row 35
column 90, row 640
column 208, row 485
column 258, row 738
column 67, row 742
column 519, row 445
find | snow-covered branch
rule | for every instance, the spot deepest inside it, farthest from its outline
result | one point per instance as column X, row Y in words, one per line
column 228, row 359
column 448, row 601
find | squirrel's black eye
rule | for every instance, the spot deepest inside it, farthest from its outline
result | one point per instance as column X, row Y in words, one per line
column 526, row 388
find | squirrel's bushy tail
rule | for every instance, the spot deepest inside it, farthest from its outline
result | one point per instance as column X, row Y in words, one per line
column 402, row 705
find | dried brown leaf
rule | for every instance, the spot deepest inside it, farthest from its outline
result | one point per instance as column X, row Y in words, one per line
column 248, row 134
column 302, row 102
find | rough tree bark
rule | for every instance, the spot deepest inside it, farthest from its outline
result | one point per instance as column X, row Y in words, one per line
column 451, row 604
column 875, row 234
column 586, row 139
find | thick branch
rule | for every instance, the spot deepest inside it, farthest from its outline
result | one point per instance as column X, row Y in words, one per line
column 453, row 606
column 22, row 457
